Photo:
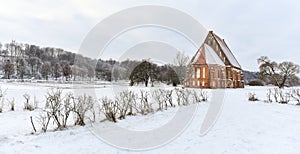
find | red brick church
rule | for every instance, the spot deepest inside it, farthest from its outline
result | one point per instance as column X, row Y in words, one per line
column 214, row 66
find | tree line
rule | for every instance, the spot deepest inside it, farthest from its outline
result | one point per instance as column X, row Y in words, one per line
column 27, row 61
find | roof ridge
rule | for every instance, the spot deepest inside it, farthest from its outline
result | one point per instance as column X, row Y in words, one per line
column 226, row 46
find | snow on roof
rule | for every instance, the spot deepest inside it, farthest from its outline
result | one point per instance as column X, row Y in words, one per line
column 197, row 56
column 227, row 52
column 211, row 56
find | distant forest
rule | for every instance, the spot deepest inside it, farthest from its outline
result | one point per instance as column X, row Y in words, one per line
column 27, row 61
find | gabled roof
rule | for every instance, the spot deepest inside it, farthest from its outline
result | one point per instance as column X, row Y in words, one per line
column 206, row 55
column 229, row 55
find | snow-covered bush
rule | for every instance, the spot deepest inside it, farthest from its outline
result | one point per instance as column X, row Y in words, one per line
column 281, row 96
column 109, row 108
column 144, row 107
column 295, row 94
column 252, row 97
column 163, row 98
column 59, row 108
column 199, row 95
column 27, row 105
column 168, row 98
column 2, row 94
column 54, row 106
column 184, row 96
column 11, row 104
column 35, row 102
column 204, row 95
column 158, row 97
column 67, row 108
column 44, row 119
column 126, row 103
column 269, row 96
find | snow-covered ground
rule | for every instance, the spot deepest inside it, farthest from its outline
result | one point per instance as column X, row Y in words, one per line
column 242, row 127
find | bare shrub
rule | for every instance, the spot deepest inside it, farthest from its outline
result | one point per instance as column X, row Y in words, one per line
column 269, row 96
column 144, row 107
column 252, row 97
column 67, row 108
column 35, row 102
column 183, row 96
column 83, row 105
column 199, row 95
column 179, row 94
column 164, row 98
column 186, row 97
column 2, row 95
column 44, row 119
column 33, row 126
column 54, row 106
column 168, row 98
column 295, row 94
column 109, row 108
column 281, row 96
column 126, row 103
column 158, row 97
column 204, row 95
column 196, row 96
column 11, row 104
column 27, row 105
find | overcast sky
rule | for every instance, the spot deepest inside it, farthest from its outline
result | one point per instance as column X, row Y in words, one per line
column 251, row 28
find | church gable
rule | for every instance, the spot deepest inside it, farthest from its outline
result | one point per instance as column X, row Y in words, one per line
column 214, row 66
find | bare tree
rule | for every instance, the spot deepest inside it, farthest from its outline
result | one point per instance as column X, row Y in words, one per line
column 144, row 72
column 67, row 71
column 280, row 73
column 21, row 67
column 8, row 68
column 34, row 63
column 91, row 72
column 181, row 62
column 56, row 70
column 46, row 70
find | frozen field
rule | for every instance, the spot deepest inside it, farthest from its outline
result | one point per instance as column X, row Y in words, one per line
column 242, row 127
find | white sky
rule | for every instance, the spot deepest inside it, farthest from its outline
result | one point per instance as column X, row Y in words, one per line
column 251, row 28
